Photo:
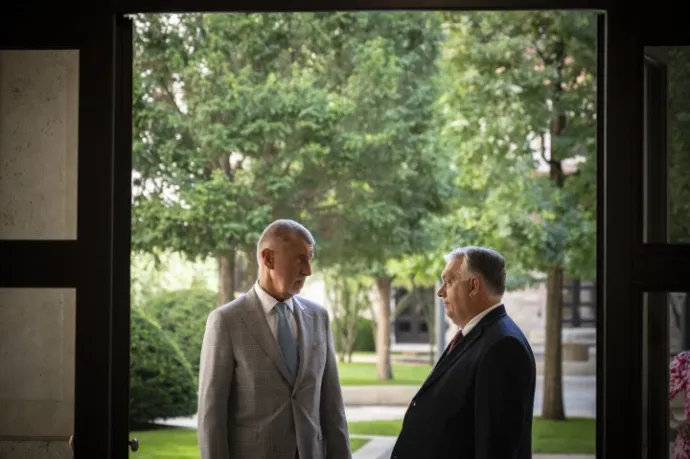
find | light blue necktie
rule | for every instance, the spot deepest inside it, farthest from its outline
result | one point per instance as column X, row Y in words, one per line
column 287, row 343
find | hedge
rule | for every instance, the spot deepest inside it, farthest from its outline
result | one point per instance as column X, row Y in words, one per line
column 182, row 314
column 162, row 384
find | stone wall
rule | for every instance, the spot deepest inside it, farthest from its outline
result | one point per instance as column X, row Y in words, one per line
column 38, row 201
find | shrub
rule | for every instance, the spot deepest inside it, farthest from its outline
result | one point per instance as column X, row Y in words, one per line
column 365, row 335
column 162, row 384
column 182, row 314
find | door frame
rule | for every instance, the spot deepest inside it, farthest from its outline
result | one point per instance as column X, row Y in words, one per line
column 660, row 267
column 96, row 263
column 625, row 265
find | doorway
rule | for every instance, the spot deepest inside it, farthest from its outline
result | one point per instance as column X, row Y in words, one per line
column 95, row 260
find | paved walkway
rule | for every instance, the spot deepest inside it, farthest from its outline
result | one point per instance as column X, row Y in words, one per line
column 579, row 395
column 378, row 447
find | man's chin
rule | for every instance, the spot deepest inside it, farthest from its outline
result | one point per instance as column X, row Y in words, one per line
column 293, row 291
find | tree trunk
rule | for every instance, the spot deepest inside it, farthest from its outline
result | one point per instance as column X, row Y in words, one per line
column 384, row 370
column 552, row 404
column 226, row 277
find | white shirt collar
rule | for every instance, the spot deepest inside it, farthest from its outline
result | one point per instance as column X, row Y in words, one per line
column 476, row 319
column 267, row 301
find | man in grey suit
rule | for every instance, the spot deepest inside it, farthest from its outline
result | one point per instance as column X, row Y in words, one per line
column 268, row 380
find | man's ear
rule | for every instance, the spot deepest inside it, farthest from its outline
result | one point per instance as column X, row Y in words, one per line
column 267, row 258
column 474, row 285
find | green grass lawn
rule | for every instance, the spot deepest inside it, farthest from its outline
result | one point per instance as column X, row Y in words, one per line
column 177, row 443
column 364, row 374
column 574, row 436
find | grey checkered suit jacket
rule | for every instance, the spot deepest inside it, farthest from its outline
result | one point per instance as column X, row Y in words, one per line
column 248, row 406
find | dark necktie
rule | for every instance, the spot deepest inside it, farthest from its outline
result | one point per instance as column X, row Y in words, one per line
column 454, row 341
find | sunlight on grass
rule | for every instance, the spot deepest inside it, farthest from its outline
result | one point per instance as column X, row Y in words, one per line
column 178, row 443
column 356, row 443
column 574, row 436
column 364, row 374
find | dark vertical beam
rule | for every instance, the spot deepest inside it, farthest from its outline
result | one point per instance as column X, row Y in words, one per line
column 600, row 316
column 655, row 230
column 656, row 357
column 122, row 239
column 93, row 406
column 619, row 347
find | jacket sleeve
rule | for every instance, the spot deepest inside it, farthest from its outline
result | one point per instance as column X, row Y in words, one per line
column 333, row 422
column 215, row 378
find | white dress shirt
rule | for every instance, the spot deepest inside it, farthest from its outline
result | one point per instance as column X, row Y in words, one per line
column 476, row 319
column 268, row 304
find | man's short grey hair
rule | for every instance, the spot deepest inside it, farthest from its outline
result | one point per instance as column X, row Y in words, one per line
column 484, row 262
column 283, row 230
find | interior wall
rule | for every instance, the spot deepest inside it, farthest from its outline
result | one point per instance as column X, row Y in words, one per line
column 38, row 201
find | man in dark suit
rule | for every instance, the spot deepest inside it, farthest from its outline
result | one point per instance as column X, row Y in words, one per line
column 478, row 400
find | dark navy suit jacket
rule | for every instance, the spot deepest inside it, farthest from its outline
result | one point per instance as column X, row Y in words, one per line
column 478, row 401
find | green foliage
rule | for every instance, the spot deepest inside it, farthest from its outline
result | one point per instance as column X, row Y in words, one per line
column 348, row 295
column 513, row 75
column 393, row 95
column 329, row 118
column 394, row 136
column 182, row 315
column 152, row 274
column 365, row 334
column 679, row 145
column 162, row 384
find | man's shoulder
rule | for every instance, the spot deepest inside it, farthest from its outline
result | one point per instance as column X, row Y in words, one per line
column 311, row 306
column 506, row 330
column 232, row 308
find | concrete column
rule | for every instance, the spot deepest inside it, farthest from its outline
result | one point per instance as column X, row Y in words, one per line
column 38, row 200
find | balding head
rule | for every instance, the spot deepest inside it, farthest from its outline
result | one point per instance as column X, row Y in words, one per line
column 284, row 252
column 282, row 231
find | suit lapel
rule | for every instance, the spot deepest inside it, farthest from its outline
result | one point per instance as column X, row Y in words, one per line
column 255, row 320
column 303, row 319
column 448, row 359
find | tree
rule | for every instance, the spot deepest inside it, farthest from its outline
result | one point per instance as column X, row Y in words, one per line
column 348, row 295
column 232, row 130
column 390, row 97
column 525, row 83
column 327, row 118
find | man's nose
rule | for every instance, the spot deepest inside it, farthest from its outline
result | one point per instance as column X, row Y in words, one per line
column 307, row 269
column 440, row 292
